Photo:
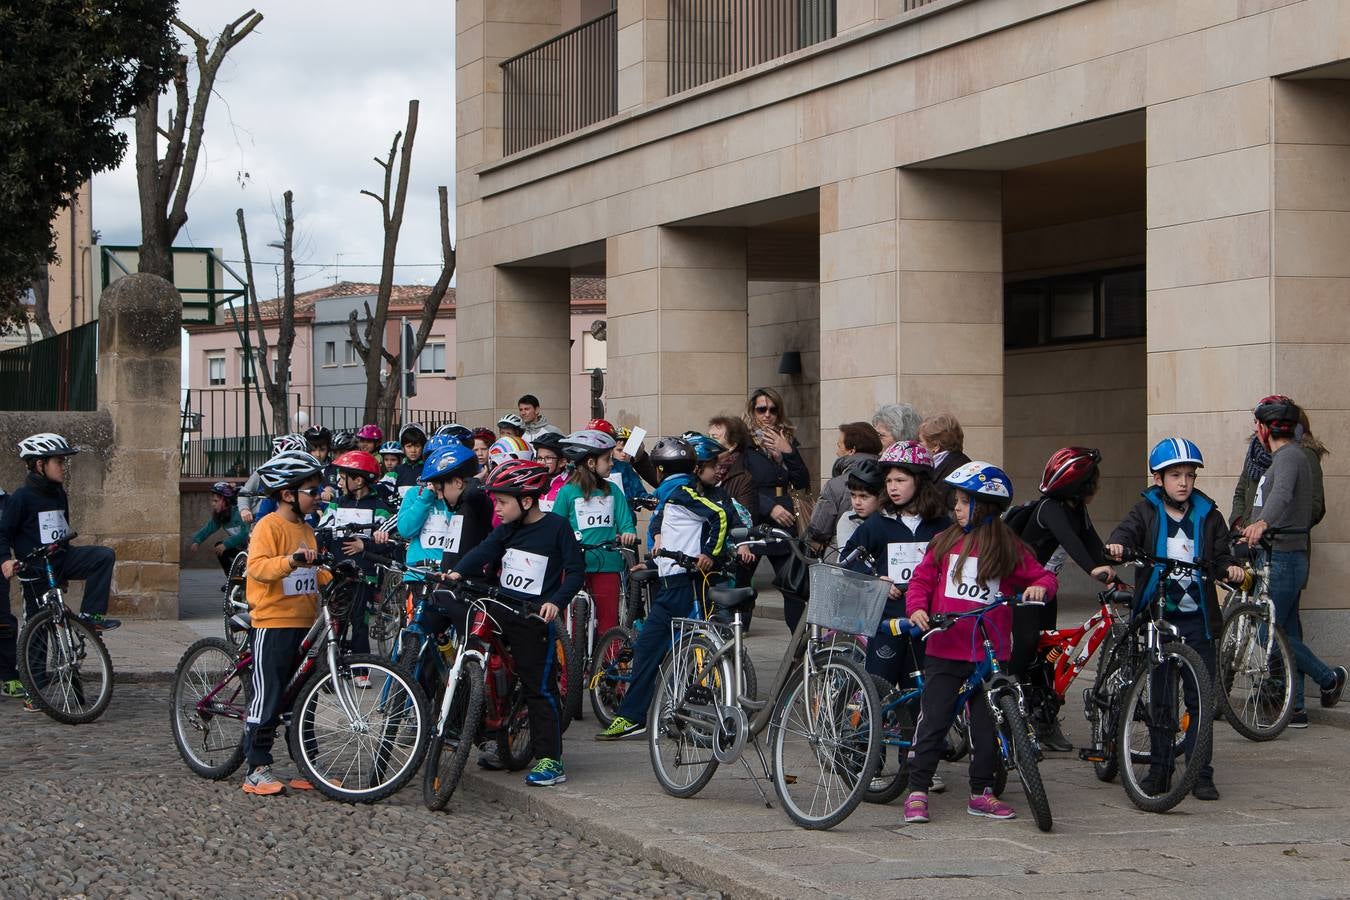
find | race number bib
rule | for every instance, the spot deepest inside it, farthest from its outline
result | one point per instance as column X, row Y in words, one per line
column 595, row 512
column 967, row 589
column 1260, row 499
column 545, row 504
column 353, row 516
column 903, row 558
column 442, row 533
column 52, row 526
column 301, row 582
column 523, row 572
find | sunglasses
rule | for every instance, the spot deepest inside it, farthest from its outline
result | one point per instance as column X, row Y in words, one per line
column 313, row 492
column 766, row 409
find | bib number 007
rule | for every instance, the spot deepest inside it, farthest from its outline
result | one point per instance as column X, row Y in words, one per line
column 516, row 581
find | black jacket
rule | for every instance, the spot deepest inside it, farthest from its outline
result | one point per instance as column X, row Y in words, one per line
column 1054, row 524
column 24, row 516
column 558, row 571
column 954, row 460
column 774, row 479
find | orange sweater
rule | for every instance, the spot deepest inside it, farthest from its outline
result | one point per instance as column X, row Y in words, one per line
column 273, row 582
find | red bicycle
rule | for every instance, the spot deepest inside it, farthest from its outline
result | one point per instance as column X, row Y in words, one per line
column 1065, row 651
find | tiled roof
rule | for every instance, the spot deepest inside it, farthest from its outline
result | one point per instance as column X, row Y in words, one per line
column 590, row 289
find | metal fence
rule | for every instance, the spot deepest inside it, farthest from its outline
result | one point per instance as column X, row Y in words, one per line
column 562, row 85
column 710, row 39
column 53, row 374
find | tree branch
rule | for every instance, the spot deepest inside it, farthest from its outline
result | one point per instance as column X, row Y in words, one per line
column 251, row 298
column 431, row 304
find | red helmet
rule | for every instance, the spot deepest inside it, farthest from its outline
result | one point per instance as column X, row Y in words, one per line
column 485, row 434
column 1069, row 470
column 370, row 433
column 601, row 425
column 518, row 478
column 358, row 461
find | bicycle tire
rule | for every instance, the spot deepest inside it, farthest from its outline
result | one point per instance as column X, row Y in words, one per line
column 397, row 711
column 1024, row 760
column 897, row 723
column 1264, row 687
column 214, row 759
column 1135, row 709
column 514, row 745
column 845, row 697
column 957, row 746
column 581, row 614
column 687, row 741
column 234, row 601
column 566, row 675
column 68, row 704
column 388, row 618
column 1103, row 723
column 612, row 665
column 448, row 753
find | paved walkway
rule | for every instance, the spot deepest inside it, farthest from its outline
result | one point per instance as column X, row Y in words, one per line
column 1279, row 829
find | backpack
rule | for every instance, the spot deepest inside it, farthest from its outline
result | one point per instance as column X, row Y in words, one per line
column 1019, row 517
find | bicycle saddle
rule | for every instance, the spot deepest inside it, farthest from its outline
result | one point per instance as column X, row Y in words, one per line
column 730, row 598
column 642, row 576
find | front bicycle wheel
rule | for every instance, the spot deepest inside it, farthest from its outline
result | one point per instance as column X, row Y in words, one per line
column 515, row 744
column 683, row 719
column 1168, row 704
column 612, row 672
column 825, row 737
column 1256, row 692
column 451, row 744
column 579, row 638
column 566, row 675
column 64, row 667
column 897, row 736
column 1102, row 703
column 234, row 603
column 207, row 705
column 1021, row 752
column 388, row 617
column 358, row 744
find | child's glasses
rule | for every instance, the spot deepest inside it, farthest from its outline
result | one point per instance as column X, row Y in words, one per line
column 313, row 492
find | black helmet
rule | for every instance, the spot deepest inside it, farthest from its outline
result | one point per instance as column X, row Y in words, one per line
column 412, row 433
column 673, row 456
column 344, row 440
column 867, row 472
column 1279, row 414
column 548, row 440
column 318, row 434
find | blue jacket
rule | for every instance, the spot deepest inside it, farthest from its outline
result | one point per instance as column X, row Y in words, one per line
column 413, row 513
column 687, row 521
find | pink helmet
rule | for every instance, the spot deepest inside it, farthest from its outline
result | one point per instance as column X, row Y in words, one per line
column 370, row 433
column 910, row 455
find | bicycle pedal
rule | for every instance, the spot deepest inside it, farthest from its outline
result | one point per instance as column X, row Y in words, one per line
column 1092, row 756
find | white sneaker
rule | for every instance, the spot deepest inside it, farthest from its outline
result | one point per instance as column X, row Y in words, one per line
column 938, row 785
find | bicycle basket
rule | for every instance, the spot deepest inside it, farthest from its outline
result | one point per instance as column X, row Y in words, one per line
column 846, row 601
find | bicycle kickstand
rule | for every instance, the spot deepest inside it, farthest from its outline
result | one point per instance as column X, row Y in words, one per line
column 754, row 779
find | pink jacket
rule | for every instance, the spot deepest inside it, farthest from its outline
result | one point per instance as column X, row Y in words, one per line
column 934, row 590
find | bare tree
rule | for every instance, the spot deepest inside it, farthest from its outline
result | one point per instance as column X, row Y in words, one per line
column 276, row 377
column 381, row 395
column 42, row 312
column 165, row 183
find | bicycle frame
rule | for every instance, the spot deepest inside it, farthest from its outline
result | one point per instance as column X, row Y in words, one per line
column 1086, row 638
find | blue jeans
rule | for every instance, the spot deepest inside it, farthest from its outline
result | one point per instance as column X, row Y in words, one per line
column 1288, row 572
column 653, row 641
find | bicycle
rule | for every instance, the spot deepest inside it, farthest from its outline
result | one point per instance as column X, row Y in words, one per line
column 483, row 694
column 580, row 613
column 354, row 744
column 822, row 712
column 1018, row 748
column 1138, row 699
column 1256, row 668
column 613, row 665
column 234, row 607
column 63, row 663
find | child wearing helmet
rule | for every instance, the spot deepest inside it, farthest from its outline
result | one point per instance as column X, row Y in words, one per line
column 413, row 439
column 358, row 503
column 865, row 483
column 224, row 517
column 483, row 438
column 686, row 521
column 912, row 515
column 548, row 452
column 511, row 425
column 597, row 511
column 391, row 456
column 282, row 588
column 975, row 560
column 1057, row 527
column 445, row 517
column 38, row 513
column 1177, row 521
column 534, row 558
column 368, row 438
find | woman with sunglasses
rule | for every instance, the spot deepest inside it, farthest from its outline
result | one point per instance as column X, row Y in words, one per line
column 774, row 462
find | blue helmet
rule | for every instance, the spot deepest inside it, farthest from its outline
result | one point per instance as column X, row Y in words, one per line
column 1174, row 451
column 705, row 448
column 457, row 431
column 449, row 461
column 391, row 448
column 438, row 442
column 983, row 480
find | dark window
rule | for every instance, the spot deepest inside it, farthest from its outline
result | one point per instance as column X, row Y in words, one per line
column 1088, row 306
column 1123, row 302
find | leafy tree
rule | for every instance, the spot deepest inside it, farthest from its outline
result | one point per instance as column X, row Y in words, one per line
column 69, row 69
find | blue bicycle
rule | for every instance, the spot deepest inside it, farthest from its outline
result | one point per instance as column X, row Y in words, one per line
column 1018, row 747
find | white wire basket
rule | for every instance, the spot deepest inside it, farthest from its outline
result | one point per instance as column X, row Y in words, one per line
column 846, row 601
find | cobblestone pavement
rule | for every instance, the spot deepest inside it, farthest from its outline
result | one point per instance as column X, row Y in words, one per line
column 109, row 809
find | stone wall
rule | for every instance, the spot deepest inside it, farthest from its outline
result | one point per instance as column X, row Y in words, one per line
column 124, row 485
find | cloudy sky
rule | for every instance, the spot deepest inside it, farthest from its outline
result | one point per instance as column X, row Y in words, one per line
column 303, row 104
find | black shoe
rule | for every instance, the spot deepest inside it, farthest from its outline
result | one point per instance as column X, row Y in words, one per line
column 1332, row 695
column 1205, row 790
column 1298, row 719
column 1154, row 783
column 1053, row 739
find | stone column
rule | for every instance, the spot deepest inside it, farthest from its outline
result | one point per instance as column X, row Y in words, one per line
column 676, row 308
column 643, row 52
column 139, row 375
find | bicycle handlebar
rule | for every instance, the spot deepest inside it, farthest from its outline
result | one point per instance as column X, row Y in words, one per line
column 1139, row 558
column 486, row 591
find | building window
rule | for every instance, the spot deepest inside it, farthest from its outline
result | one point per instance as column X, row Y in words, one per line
column 330, row 353
column 593, row 354
column 245, row 376
column 215, row 369
column 349, row 357
column 432, row 359
column 1089, row 306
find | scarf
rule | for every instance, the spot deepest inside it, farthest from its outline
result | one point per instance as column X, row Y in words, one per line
column 725, row 462
column 1258, row 460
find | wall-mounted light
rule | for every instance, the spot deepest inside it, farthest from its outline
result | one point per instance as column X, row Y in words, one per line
column 790, row 363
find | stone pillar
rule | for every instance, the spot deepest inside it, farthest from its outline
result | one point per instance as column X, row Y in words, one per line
column 139, row 376
column 911, row 300
column 643, row 52
column 676, row 308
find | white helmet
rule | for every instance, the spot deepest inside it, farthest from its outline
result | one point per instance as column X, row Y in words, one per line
column 287, row 443
column 289, row 469
column 513, row 420
column 588, row 442
column 44, row 445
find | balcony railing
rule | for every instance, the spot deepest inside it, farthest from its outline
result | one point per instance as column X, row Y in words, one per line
column 562, row 85
column 710, row 39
